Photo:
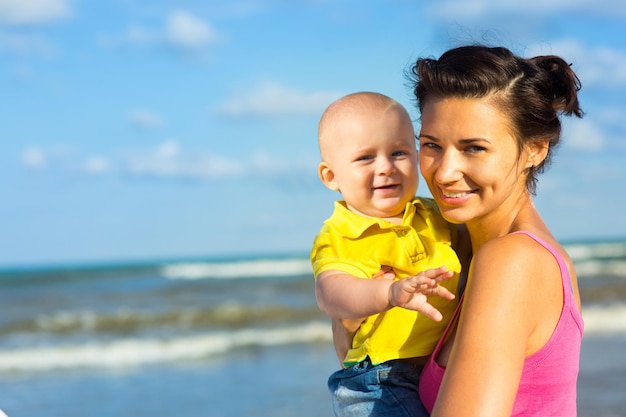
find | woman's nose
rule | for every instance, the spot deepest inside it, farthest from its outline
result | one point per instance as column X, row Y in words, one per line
column 448, row 168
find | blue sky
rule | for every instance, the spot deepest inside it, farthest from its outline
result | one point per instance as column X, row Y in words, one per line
column 135, row 130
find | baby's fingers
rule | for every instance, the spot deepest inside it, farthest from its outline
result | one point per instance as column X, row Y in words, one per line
column 443, row 274
column 430, row 286
column 428, row 310
column 442, row 292
column 438, row 274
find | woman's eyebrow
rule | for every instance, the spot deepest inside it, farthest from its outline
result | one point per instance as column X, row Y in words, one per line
column 462, row 141
column 424, row 135
column 473, row 140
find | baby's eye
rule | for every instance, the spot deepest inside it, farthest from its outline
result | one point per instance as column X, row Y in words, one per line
column 399, row 153
column 365, row 158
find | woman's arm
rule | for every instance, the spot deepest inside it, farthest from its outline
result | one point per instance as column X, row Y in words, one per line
column 505, row 301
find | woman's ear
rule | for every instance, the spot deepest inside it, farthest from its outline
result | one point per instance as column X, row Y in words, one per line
column 537, row 152
column 327, row 176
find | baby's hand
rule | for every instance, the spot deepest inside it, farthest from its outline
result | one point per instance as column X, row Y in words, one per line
column 411, row 293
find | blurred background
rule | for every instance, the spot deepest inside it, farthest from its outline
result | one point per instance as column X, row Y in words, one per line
column 159, row 195
column 137, row 130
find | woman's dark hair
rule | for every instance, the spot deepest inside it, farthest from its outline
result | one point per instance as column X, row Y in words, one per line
column 533, row 92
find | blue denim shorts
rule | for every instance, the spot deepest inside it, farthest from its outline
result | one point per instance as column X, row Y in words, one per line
column 387, row 389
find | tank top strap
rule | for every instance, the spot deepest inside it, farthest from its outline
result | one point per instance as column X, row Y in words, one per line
column 565, row 276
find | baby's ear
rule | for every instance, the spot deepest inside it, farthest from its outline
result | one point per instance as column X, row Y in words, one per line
column 327, row 176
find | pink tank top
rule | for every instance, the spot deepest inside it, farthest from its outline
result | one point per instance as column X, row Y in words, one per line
column 548, row 383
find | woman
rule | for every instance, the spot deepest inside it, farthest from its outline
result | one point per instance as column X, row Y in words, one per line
column 489, row 124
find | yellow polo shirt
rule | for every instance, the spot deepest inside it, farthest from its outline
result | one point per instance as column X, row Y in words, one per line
column 360, row 245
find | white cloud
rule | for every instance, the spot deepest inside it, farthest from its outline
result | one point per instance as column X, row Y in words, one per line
column 453, row 9
column 612, row 115
column 604, row 66
column 181, row 30
column 34, row 157
column 167, row 150
column 145, row 118
column 272, row 99
column 24, row 12
column 168, row 161
column 23, row 72
column 584, row 135
column 97, row 165
column 140, row 36
column 184, row 30
column 598, row 65
column 25, row 44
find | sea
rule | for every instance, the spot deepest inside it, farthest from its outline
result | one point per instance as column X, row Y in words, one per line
column 237, row 336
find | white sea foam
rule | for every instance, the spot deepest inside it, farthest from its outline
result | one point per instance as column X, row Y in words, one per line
column 237, row 269
column 589, row 258
column 607, row 250
column 605, row 319
column 65, row 320
column 137, row 352
column 597, row 268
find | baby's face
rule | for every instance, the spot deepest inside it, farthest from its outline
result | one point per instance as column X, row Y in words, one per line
column 373, row 158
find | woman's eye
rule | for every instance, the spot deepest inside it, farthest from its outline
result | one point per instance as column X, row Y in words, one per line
column 428, row 145
column 474, row 149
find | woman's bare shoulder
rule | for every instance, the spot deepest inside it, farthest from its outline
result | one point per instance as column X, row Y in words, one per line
column 512, row 265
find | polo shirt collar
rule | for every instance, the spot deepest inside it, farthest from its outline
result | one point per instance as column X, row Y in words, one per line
column 353, row 225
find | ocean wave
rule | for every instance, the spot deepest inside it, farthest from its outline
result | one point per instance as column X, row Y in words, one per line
column 590, row 259
column 604, row 250
column 595, row 268
column 137, row 352
column 237, row 269
column 126, row 320
column 605, row 318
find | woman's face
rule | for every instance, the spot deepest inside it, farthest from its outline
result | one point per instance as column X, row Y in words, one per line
column 470, row 159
